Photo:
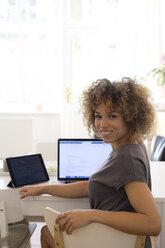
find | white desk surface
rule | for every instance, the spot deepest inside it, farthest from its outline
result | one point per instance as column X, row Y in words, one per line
column 157, row 174
column 158, row 185
column 158, row 180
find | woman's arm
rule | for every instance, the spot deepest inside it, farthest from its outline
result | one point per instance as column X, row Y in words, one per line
column 146, row 220
column 71, row 190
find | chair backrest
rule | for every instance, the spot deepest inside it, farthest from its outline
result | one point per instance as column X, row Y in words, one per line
column 13, row 207
column 10, row 209
column 48, row 150
column 94, row 235
column 157, row 152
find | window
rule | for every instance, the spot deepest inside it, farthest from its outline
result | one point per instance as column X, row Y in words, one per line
column 30, row 52
column 95, row 42
column 49, row 48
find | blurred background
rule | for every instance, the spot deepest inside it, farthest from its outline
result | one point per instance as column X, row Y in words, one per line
column 51, row 50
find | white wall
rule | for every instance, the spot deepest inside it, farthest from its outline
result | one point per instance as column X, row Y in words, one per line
column 22, row 134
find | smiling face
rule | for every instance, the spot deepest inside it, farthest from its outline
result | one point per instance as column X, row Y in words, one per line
column 111, row 127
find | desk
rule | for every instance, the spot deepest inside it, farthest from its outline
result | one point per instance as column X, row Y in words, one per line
column 34, row 206
column 19, row 235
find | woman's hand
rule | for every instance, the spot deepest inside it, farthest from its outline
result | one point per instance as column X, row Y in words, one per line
column 30, row 191
column 72, row 220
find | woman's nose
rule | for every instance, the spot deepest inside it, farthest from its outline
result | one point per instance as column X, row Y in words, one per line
column 104, row 122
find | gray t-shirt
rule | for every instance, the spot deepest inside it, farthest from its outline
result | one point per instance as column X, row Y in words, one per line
column 128, row 163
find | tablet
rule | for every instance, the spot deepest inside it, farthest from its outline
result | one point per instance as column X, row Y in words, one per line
column 25, row 170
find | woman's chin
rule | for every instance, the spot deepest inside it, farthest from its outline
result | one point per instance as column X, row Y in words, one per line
column 106, row 139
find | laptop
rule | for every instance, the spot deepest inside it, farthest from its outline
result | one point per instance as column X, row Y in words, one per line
column 79, row 158
column 25, row 170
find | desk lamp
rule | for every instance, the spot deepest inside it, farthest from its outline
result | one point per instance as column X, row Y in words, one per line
column 10, row 209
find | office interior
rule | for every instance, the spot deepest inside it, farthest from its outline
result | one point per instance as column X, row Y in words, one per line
column 50, row 51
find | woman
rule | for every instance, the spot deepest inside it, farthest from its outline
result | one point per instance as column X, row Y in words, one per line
column 119, row 193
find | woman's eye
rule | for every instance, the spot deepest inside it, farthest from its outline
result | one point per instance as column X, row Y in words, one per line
column 97, row 117
column 112, row 116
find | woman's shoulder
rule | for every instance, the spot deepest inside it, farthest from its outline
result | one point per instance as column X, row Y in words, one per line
column 130, row 153
column 130, row 149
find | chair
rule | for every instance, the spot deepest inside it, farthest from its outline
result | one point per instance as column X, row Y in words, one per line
column 157, row 152
column 11, row 209
column 94, row 235
column 48, row 150
column 15, row 230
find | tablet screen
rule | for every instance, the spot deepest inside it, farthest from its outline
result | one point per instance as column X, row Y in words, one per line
column 25, row 170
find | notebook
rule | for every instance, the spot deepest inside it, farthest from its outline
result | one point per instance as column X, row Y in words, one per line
column 79, row 158
column 25, row 170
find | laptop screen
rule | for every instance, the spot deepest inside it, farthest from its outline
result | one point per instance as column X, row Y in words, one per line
column 78, row 159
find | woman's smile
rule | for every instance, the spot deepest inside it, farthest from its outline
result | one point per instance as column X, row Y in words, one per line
column 106, row 133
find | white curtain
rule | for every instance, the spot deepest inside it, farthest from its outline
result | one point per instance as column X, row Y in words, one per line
column 145, row 30
column 139, row 38
column 148, row 36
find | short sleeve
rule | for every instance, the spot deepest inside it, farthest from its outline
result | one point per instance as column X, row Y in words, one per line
column 128, row 169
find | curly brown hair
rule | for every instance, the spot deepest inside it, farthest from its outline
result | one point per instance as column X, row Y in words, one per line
column 131, row 98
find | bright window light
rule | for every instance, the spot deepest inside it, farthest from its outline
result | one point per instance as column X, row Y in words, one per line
column 50, row 46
